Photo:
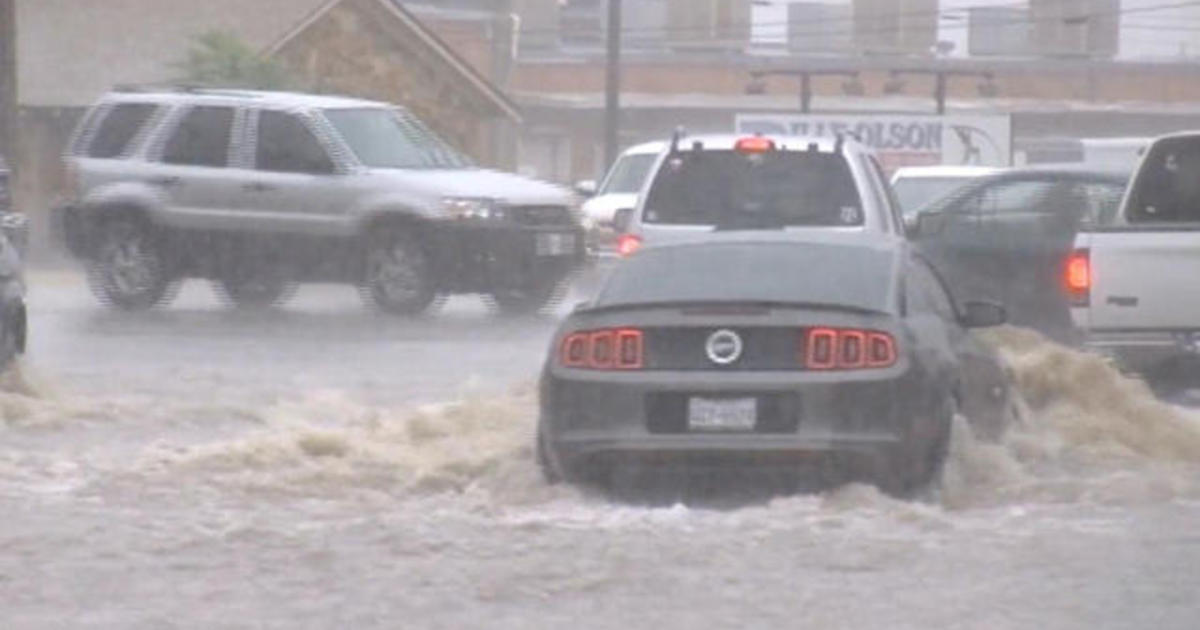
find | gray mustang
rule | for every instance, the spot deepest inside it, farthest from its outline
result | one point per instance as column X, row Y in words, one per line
column 764, row 350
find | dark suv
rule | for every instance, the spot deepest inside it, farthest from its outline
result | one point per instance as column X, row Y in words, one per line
column 258, row 191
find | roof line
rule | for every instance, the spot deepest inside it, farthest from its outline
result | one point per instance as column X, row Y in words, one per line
column 490, row 90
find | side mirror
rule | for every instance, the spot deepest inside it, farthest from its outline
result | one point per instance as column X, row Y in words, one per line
column 586, row 187
column 979, row 314
column 912, row 225
column 621, row 220
column 930, row 223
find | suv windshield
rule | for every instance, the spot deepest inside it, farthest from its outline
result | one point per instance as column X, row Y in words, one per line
column 387, row 138
column 628, row 174
column 731, row 189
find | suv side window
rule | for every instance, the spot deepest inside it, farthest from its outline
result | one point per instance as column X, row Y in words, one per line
column 117, row 128
column 287, row 145
column 201, row 138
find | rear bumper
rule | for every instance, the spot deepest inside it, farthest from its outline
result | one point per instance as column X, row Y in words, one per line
column 646, row 419
column 1143, row 350
column 482, row 258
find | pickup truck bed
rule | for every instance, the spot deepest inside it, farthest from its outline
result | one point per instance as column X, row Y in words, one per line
column 1134, row 285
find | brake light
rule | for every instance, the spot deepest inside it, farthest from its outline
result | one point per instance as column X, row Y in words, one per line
column 847, row 349
column 627, row 244
column 821, row 349
column 1078, row 271
column 754, row 144
column 605, row 349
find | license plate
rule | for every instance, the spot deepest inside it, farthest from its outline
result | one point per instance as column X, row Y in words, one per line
column 722, row 414
column 555, row 244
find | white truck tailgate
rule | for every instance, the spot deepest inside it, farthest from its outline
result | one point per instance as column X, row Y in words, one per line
column 1145, row 280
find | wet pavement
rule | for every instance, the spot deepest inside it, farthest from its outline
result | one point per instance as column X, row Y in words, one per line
column 324, row 466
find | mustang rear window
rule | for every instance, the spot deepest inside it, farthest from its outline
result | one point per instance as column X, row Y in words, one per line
column 801, row 273
column 787, row 188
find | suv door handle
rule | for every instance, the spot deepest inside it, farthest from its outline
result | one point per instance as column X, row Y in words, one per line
column 257, row 187
column 166, row 181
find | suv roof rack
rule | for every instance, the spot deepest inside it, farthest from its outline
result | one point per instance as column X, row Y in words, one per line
column 184, row 88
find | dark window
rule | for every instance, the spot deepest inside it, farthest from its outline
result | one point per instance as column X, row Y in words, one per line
column 1014, row 197
column 916, row 193
column 1167, row 188
column 759, row 190
column 755, row 271
column 285, row 144
column 202, row 137
column 926, row 292
column 118, row 128
column 1102, row 198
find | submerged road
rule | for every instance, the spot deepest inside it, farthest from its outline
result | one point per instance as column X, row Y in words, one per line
column 323, row 466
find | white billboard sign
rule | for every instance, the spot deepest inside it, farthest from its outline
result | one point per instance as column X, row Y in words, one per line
column 902, row 139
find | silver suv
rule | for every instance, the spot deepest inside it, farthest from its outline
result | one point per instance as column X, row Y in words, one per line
column 797, row 185
column 258, row 191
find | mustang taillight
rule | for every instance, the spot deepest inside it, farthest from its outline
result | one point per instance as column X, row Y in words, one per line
column 847, row 349
column 606, row 349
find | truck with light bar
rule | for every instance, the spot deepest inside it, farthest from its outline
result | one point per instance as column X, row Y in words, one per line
column 1132, row 282
column 790, row 184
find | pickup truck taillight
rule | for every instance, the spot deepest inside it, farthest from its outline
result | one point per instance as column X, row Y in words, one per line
column 1078, row 277
column 628, row 244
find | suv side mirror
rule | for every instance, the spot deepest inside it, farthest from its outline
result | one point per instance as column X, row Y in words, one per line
column 929, row 223
column 621, row 220
column 980, row 314
column 586, row 187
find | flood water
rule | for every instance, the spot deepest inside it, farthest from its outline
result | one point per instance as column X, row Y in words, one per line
column 330, row 468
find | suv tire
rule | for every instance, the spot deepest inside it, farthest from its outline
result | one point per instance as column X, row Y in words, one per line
column 399, row 274
column 128, row 270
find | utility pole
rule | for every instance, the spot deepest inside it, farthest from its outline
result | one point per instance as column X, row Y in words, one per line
column 612, row 85
column 8, row 83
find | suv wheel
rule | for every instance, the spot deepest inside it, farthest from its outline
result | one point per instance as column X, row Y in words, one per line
column 129, row 271
column 399, row 274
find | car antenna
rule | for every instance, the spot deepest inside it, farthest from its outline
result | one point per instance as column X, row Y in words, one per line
column 676, row 136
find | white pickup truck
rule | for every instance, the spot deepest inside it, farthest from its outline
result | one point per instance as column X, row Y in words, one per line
column 1134, row 284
